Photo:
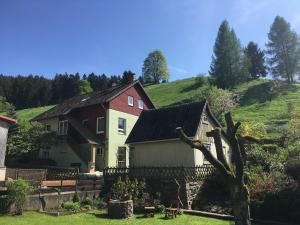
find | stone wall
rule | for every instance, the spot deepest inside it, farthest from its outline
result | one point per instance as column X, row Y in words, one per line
column 120, row 209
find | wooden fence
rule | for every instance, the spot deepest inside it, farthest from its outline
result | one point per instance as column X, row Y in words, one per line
column 188, row 173
column 50, row 173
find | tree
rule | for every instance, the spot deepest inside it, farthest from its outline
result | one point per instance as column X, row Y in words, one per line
column 233, row 177
column 127, row 77
column 84, row 86
column 220, row 100
column 256, row 57
column 155, row 68
column 228, row 60
column 283, row 50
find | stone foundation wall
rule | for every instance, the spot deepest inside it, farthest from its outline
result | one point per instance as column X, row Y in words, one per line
column 120, row 209
column 49, row 201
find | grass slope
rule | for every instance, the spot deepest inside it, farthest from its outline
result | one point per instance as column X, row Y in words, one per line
column 255, row 104
column 99, row 218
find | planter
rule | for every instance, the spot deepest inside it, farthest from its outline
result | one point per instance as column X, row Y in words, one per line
column 120, row 209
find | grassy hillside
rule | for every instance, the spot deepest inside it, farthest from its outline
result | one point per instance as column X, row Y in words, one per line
column 25, row 115
column 256, row 102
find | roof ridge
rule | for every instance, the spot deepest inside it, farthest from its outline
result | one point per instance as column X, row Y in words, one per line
column 176, row 106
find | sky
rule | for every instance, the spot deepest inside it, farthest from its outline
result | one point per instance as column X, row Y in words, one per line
column 45, row 37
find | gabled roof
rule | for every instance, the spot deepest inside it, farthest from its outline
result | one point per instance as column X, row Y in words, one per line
column 88, row 99
column 7, row 119
column 161, row 124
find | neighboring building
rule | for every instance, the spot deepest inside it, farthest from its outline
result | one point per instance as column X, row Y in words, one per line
column 4, row 125
column 92, row 128
column 154, row 142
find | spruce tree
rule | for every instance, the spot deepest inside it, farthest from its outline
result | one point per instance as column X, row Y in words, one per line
column 256, row 59
column 283, row 50
column 227, row 60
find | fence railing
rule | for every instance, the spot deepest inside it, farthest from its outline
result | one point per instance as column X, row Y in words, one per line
column 51, row 173
column 190, row 173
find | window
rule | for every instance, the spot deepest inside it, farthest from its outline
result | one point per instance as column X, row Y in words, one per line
column 100, row 151
column 100, row 125
column 85, row 123
column 130, row 100
column 48, row 127
column 121, row 157
column 122, row 125
column 205, row 119
column 45, row 154
column 141, row 104
column 63, row 127
column 208, row 148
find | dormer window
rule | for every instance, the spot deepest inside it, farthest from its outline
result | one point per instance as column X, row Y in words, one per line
column 130, row 100
column 141, row 104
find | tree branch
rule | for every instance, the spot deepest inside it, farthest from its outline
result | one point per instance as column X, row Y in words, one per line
column 216, row 134
column 207, row 154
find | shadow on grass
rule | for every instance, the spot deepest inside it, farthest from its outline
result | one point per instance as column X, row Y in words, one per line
column 99, row 215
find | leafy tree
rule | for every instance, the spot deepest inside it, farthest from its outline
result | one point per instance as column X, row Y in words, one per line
column 228, row 60
column 84, row 86
column 155, row 68
column 283, row 50
column 28, row 140
column 234, row 176
column 256, row 57
column 5, row 107
column 220, row 100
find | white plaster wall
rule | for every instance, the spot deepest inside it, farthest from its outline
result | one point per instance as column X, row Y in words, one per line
column 162, row 153
column 3, row 141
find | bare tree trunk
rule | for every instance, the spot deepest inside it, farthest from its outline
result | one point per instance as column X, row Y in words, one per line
column 240, row 204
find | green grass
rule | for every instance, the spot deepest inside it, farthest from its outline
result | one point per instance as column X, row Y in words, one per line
column 99, row 218
column 25, row 115
column 255, row 104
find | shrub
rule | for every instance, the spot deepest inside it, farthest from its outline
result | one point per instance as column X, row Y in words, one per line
column 17, row 192
column 72, row 206
column 160, row 208
column 76, row 197
column 123, row 189
column 292, row 168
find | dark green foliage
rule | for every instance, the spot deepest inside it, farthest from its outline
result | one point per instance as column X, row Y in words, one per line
column 17, row 192
column 283, row 50
column 292, row 168
column 160, row 208
column 26, row 142
column 76, row 197
column 127, row 188
column 228, row 66
column 127, row 77
column 155, row 68
column 283, row 205
column 256, row 57
column 72, row 206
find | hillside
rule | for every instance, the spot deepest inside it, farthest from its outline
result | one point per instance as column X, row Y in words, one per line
column 255, row 104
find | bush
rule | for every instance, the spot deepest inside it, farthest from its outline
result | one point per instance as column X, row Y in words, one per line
column 124, row 189
column 160, row 208
column 292, row 168
column 72, row 206
column 76, row 197
column 17, row 192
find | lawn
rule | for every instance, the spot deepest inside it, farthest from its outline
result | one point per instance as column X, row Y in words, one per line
column 24, row 115
column 34, row 218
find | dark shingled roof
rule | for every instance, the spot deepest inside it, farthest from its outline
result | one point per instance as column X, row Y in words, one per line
column 161, row 124
column 84, row 100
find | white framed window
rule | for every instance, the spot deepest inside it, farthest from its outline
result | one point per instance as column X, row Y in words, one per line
column 85, row 123
column 100, row 151
column 122, row 125
column 130, row 100
column 205, row 161
column 100, row 125
column 121, row 157
column 63, row 127
column 141, row 104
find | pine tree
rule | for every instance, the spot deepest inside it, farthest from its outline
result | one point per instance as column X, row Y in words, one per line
column 256, row 57
column 283, row 50
column 128, row 77
column 155, row 68
column 227, row 61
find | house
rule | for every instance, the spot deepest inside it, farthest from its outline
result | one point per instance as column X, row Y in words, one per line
column 4, row 125
column 154, row 142
column 92, row 128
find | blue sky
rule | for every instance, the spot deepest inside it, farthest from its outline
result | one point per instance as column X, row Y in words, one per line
column 55, row 36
